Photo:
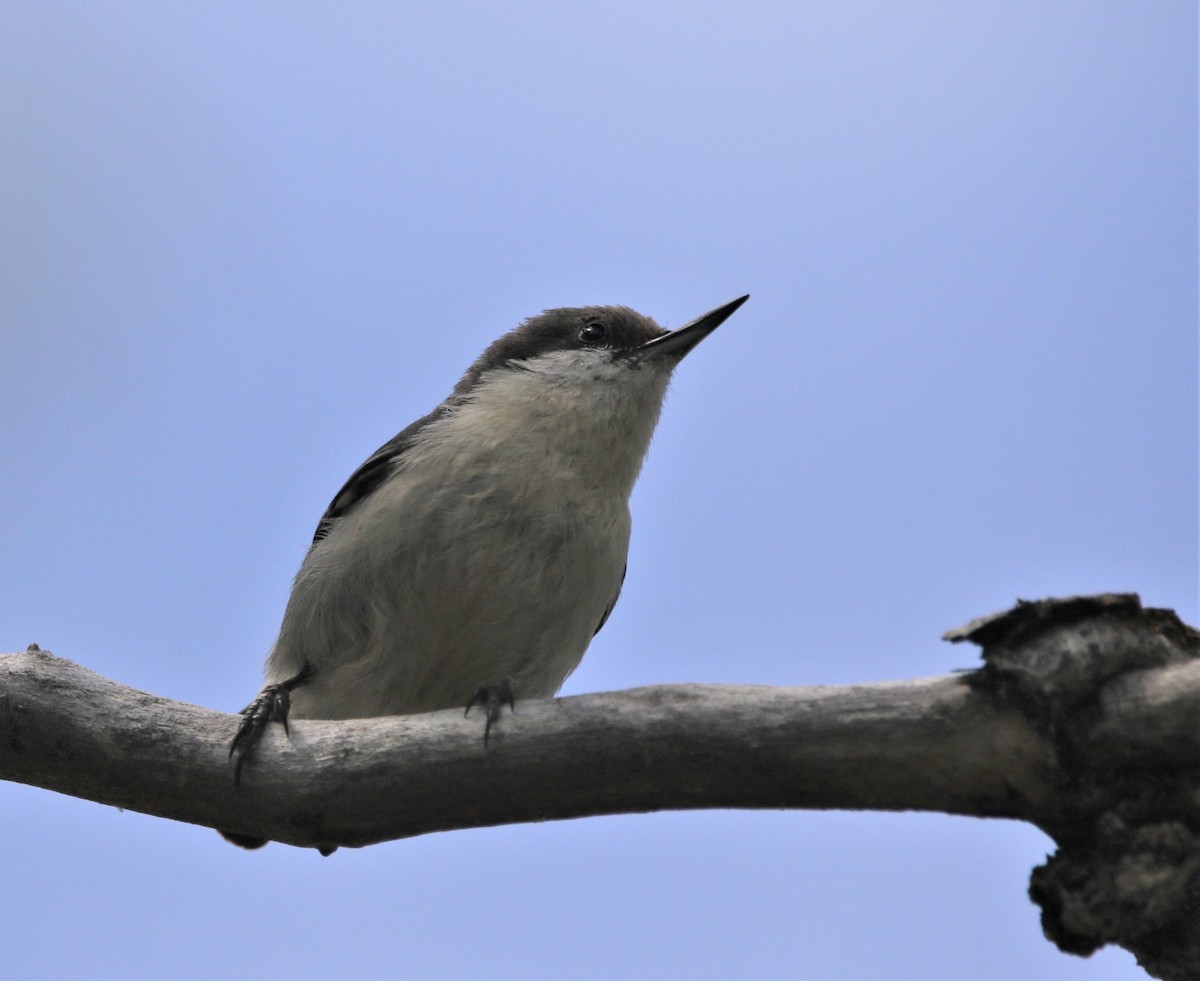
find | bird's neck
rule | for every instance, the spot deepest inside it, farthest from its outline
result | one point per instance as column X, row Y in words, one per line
column 593, row 433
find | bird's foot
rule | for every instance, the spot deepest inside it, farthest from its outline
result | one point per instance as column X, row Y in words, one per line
column 272, row 704
column 493, row 698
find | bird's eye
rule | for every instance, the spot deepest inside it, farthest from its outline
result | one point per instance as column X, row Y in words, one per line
column 594, row 333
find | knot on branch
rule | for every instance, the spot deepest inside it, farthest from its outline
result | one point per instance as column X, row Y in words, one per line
column 1051, row 656
column 1094, row 674
column 1135, row 886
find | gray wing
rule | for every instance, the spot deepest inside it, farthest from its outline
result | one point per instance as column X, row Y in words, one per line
column 366, row 479
column 378, row 467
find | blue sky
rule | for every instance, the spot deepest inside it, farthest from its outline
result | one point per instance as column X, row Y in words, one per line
column 243, row 244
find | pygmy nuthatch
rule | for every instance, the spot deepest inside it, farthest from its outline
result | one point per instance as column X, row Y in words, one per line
column 486, row 543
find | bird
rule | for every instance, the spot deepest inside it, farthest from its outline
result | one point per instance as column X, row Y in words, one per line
column 472, row 558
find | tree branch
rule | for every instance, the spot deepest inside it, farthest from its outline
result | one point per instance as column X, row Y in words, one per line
column 1084, row 719
column 932, row 744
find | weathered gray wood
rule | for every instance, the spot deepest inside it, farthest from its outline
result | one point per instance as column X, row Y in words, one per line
column 1084, row 719
column 931, row 744
column 1116, row 686
column 1149, row 717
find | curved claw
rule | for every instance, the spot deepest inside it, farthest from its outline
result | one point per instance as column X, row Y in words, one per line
column 493, row 697
column 272, row 704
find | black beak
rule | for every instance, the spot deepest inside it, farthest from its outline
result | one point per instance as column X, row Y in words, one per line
column 678, row 342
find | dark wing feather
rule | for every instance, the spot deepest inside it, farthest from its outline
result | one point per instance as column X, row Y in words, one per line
column 611, row 603
column 366, row 479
